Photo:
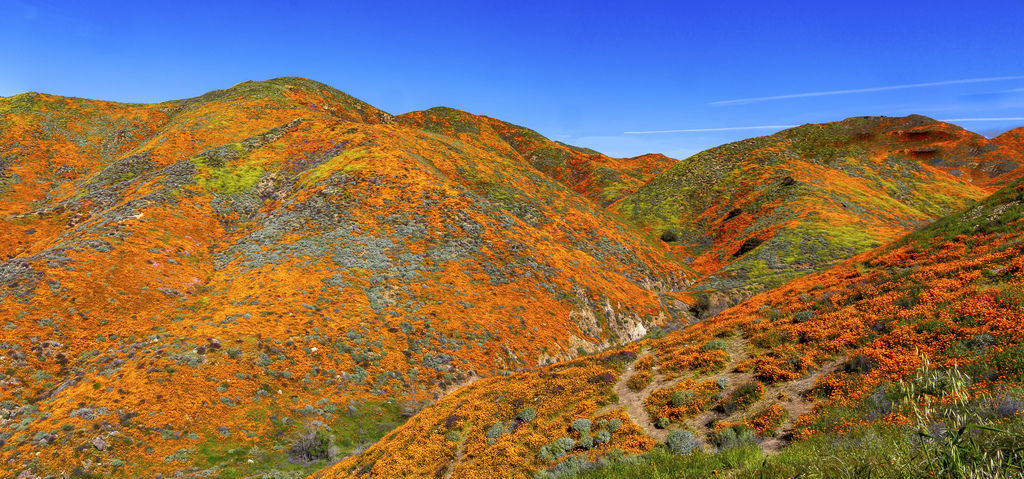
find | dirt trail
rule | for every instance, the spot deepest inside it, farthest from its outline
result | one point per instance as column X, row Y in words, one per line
column 795, row 402
column 737, row 350
column 459, row 453
column 633, row 401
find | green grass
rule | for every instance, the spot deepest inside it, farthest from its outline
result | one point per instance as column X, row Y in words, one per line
column 872, row 451
column 227, row 181
column 660, row 463
column 952, row 435
column 1000, row 213
column 229, row 457
column 347, row 162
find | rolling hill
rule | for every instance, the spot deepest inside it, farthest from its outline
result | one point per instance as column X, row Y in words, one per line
column 263, row 279
column 820, row 362
column 754, row 214
column 193, row 277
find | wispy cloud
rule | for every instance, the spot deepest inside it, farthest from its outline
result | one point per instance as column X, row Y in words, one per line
column 1004, row 118
column 743, row 101
column 729, row 128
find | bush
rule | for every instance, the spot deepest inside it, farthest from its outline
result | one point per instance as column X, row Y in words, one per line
column 662, row 422
column 669, row 236
column 715, row 345
column 745, row 395
column 803, row 316
column 566, row 443
column 495, row 431
column 581, row 426
column 859, row 364
column 639, row 380
column 614, row 425
column 681, row 442
column 682, row 397
column 556, row 449
column 732, row 437
column 602, row 437
column 655, row 333
column 956, row 439
column 1010, row 362
column 312, row 445
column 1007, row 406
column 527, row 414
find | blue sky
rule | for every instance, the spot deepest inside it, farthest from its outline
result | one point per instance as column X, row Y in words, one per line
column 582, row 72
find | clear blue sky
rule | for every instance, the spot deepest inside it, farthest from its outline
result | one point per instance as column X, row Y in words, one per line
column 581, row 72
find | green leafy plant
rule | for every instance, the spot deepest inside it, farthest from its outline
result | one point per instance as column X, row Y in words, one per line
column 955, row 438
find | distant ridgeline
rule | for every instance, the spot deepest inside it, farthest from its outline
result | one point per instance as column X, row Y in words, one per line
column 263, row 280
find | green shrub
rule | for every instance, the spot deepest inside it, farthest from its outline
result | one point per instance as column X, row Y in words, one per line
column 527, row 414
column 495, row 431
column 745, row 395
column 556, row 449
column 581, row 426
column 682, row 397
column 315, row 444
column 655, row 333
column 715, row 345
column 859, row 363
column 1010, row 362
column 681, row 442
column 732, row 437
column 803, row 316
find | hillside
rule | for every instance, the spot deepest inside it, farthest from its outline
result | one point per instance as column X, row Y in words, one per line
column 754, row 214
column 186, row 281
column 816, row 362
column 265, row 279
column 587, row 172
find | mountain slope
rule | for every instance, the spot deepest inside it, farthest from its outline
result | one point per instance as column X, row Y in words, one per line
column 756, row 213
column 264, row 278
column 217, row 274
column 815, row 356
column 596, row 176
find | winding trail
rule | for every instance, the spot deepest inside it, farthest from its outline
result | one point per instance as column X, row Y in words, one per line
column 633, row 401
column 460, row 451
column 795, row 403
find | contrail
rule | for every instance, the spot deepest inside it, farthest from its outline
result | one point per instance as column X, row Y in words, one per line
column 743, row 101
column 731, row 128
